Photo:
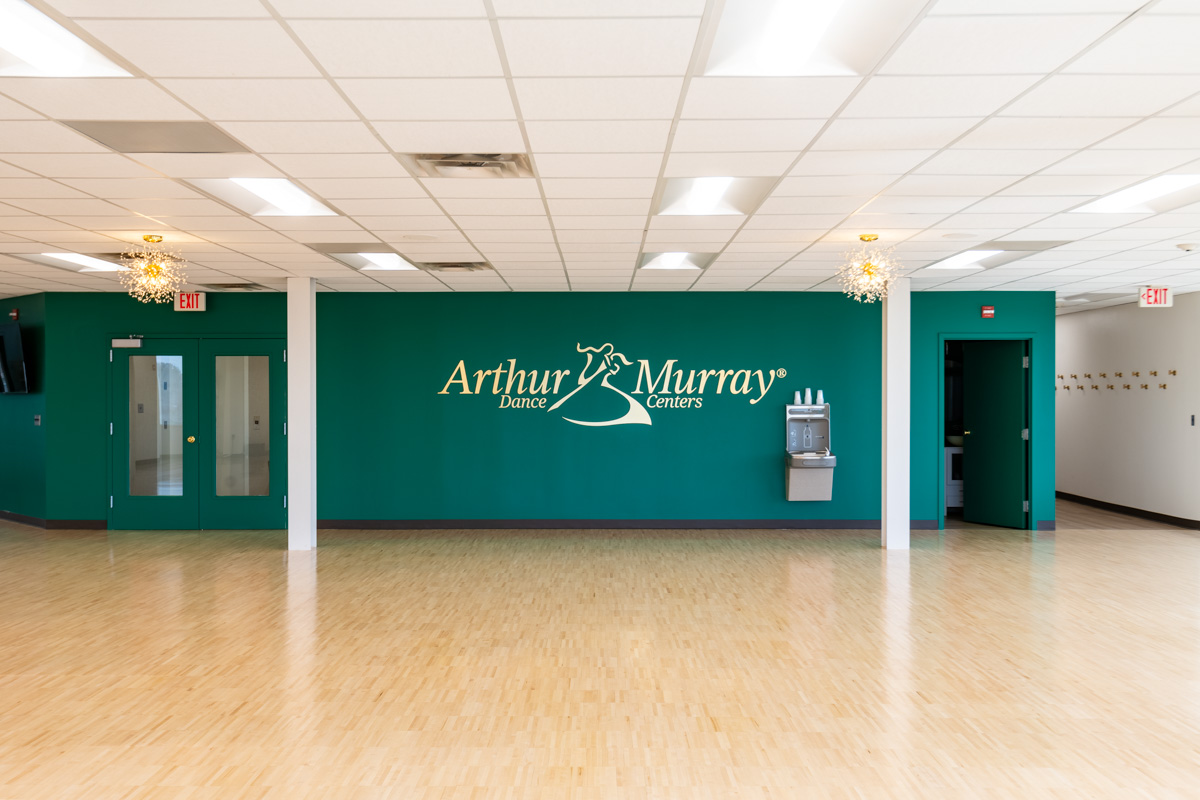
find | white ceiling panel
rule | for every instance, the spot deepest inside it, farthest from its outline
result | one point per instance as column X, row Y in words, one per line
column 1014, row 45
column 159, row 8
column 718, row 135
column 830, row 185
column 582, row 47
column 946, row 185
column 1103, row 96
column 252, row 99
column 689, row 165
column 623, row 136
column 402, row 48
column 963, row 161
column 892, row 134
column 129, row 187
column 860, row 162
column 79, row 165
column 430, row 98
column 598, row 165
column 1172, row 132
column 1148, row 44
column 363, row 188
column 936, row 96
column 451, row 137
column 19, row 136
column 766, row 98
column 309, row 137
column 210, row 165
column 506, row 207
column 363, row 165
column 415, row 206
column 380, row 8
column 598, row 8
column 194, row 48
column 1122, row 162
column 96, row 98
column 456, row 187
column 598, row 98
column 598, row 187
column 1040, row 133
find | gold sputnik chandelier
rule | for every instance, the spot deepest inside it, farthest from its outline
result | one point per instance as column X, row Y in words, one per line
column 152, row 272
column 868, row 272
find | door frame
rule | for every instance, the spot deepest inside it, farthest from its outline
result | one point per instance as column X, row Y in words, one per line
column 108, row 391
column 1031, row 340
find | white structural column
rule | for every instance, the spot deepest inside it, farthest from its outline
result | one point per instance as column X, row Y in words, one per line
column 897, row 382
column 302, row 412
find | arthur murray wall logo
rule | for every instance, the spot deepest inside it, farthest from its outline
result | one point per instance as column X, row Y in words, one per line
column 596, row 394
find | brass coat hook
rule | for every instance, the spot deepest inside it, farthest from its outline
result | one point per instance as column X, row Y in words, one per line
column 1087, row 374
column 1068, row 388
column 1110, row 386
column 1094, row 386
column 1118, row 374
column 1103, row 374
column 1136, row 374
column 1126, row 385
column 1154, row 372
column 1080, row 388
column 1162, row 386
column 1145, row 386
column 1060, row 377
column 1074, row 377
column 1170, row 372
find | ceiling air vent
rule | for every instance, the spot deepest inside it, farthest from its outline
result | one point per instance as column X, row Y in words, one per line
column 235, row 287
column 470, row 165
column 455, row 266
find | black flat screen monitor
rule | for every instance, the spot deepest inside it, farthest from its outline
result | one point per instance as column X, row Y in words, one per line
column 12, row 360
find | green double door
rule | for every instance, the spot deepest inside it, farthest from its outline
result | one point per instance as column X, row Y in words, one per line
column 198, row 435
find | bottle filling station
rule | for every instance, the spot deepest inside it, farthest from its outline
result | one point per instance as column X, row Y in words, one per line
column 809, row 464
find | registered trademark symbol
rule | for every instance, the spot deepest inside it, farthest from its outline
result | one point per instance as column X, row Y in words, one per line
column 781, row 373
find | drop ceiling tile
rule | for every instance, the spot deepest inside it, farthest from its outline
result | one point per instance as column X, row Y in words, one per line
column 598, row 187
column 598, row 8
column 598, row 136
column 363, row 165
column 364, row 188
column 498, row 222
column 173, row 48
column 9, row 171
column 935, row 96
column 747, row 165
column 892, row 134
column 830, row 185
column 699, row 223
column 402, row 48
column 1059, row 185
column 598, row 47
column 21, row 136
column 96, row 98
column 310, row 137
column 811, row 205
column 569, row 221
column 430, row 223
column 1162, row 132
column 165, row 207
column 63, row 207
column 1005, row 222
column 160, row 8
column 598, row 165
column 1103, row 96
column 381, row 8
column 1013, row 45
column 452, row 137
column 388, row 206
column 598, row 98
column 861, row 162
column 522, row 238
column 962, row 161
column 113, row 188
column 430, row 98
column 210, row 165
column 918, row 205
column 601, row 206
column 709, row 136
column 73, row 165
column 36, row 187
column 1040, row 133
column 505, row 206
column 766, row 98
column 254, row 99
column 1148, row 44
column 1123, row 162
column 779, row 221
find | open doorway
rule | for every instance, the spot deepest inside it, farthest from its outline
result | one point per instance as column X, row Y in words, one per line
column 985, row 415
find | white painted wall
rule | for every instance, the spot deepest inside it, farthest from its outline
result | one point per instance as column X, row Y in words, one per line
column 1134, row 447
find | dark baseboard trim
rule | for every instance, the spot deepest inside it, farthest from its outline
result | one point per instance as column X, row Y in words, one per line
column 1154, row 516
column 605, row 524
column 56, row 524
column 36, row 522
column 923, row 524
column 1047, row 525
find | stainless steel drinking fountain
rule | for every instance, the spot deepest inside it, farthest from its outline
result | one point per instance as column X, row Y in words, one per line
column 809, row 464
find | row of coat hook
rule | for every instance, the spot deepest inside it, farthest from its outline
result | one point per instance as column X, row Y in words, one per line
column 1135, row 374
column 1082, row 388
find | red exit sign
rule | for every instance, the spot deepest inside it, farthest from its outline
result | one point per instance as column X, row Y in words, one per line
column 1156, row 297
column 987, row 312
column 190, row 301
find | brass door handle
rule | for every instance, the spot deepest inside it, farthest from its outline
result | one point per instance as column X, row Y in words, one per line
column 966, row 433
column 191, row 439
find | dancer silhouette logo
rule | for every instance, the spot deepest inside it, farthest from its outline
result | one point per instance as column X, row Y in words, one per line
column 598, row 397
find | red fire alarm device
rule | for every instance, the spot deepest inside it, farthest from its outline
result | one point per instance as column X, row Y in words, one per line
column 15, row 314
column 987, row 312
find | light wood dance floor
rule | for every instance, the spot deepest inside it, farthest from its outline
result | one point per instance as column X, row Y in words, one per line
column 602, row 664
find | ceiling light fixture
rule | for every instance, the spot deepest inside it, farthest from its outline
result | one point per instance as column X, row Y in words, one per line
column 706, row 194
column 669, row 261
column 286, row 198
column 779, row 38
column 868, row 272
column 1134, row 200
column 154, row 273
column 89, row 263
column 40, row 47
column 384, row 261
column 967, row 260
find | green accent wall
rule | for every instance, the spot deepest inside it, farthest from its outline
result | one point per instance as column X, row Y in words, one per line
column 937, row 316
column 22, row 444
column 390, row 447
column 78, row 333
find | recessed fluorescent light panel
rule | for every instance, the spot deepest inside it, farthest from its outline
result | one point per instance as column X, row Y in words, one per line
column 33, row 45
column 715, row 196
column 265, row 197
column 968, row 260
column 77, row 262
column 780, row 38
column 676, row 260
column 366, row 257
column 1156, row 195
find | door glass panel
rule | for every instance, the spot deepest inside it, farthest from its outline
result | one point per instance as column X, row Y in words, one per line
column 243, row 441
column 155, row 425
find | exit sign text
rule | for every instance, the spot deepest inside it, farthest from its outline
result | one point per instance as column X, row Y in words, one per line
column 190, row 301
column 1156, row 297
